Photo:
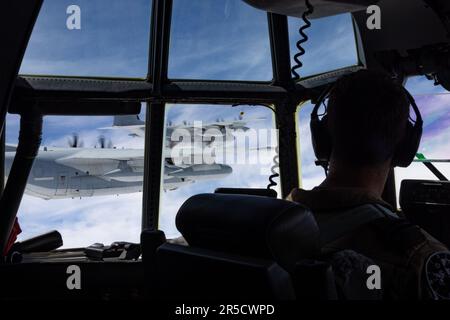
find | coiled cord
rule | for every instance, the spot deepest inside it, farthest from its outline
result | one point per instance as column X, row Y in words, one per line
column 304, row 38
column 273, row 169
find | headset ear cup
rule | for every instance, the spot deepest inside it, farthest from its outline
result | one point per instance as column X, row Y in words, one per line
column 320, row 138
column 407, row 149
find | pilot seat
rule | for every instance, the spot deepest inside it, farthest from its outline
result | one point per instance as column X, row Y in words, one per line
column 240, row 246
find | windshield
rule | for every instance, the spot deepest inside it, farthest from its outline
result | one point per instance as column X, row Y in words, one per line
column 433, row 102
column 74, row 186
column 91, row 38
column 331, row 44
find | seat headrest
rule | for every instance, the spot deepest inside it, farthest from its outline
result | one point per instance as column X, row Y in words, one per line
column 248, row 225
column 248, row 191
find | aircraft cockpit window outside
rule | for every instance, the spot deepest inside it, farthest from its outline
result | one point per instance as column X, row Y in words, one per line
column 90, row 38
column 214, row 146
column 433, row 102
column 331, row 44
column 223, row 40
column 311, row 174
column 86, row 181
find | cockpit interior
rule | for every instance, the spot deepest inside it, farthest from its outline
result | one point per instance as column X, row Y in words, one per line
column 148, row 147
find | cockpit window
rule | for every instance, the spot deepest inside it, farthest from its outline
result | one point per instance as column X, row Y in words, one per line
column 90, row 38
column 435, row 143
column 219, row 40
column 420, row 85
column 86, row 181
column 331, row 44
column 311, row 174
column 214, row 146
column 433, row 102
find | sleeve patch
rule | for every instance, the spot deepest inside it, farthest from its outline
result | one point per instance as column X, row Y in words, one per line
column 437, row 271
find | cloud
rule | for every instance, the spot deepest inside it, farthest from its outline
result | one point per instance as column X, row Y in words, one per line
column 312, row 175
column 83, row 221
column 436, row 136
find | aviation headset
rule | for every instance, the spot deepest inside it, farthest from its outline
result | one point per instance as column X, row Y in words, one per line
column 405, row 150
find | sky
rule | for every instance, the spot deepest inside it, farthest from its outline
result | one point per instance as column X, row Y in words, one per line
column 210, row 39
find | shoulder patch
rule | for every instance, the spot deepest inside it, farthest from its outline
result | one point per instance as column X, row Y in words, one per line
column 437, row 270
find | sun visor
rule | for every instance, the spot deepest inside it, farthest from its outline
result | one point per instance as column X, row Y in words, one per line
column 322, row 8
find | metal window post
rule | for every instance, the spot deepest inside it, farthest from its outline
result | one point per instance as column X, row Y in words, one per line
column 155, row 119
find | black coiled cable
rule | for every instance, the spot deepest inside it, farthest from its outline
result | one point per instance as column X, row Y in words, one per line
column 275, row 174
column 304, row 38
column 296, row 77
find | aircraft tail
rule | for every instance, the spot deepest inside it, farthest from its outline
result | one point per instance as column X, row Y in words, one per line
column 128, row 120
column 10, row 148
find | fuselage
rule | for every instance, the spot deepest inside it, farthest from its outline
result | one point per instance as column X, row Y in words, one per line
column 60, row 173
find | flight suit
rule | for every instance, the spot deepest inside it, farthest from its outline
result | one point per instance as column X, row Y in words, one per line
column 398, row 247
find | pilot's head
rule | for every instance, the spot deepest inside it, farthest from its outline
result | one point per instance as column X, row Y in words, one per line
column 367, row 117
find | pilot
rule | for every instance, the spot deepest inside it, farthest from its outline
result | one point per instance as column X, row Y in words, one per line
column 367, row 115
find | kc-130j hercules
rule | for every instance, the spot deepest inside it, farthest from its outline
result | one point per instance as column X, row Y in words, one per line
column 85, row 172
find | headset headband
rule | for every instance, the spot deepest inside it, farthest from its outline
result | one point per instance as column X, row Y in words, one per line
column 324, row 95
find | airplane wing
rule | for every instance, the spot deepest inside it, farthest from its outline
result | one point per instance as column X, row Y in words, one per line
column 103, row 161
column 136, row 127
column 109, row 154
column 221, row 123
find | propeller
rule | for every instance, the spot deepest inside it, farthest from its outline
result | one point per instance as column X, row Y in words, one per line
column 103, row 143
column 75, row 141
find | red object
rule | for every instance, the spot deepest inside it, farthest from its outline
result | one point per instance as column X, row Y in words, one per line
column 12, row 237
